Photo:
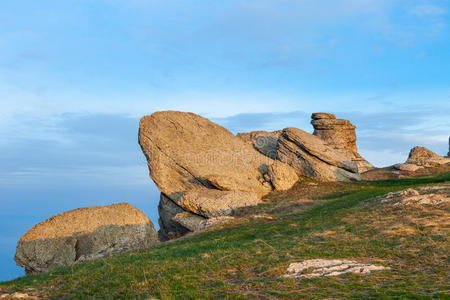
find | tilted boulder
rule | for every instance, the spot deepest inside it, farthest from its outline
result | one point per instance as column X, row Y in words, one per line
column 84, row 234
column 186, row 151
column 310, row 156
column 339, row 134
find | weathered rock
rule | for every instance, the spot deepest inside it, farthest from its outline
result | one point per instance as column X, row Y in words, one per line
column 190, row 221
column 183, row 148
column 321, row 115
column 421, row 156
column 282, row 176
column 313, row 268
column 170, row 228
column 310, row 156
column 215, row 203
column 412, row 197
column 84, row 234
column 263, row 141
column 407, row 167
column 339, row 134
column 202, row 168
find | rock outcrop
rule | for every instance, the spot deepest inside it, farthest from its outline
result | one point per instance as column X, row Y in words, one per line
column 201, row 168
column 84, row 234
column 310, row 156
column 204, row 171
column 421, row 157
column 339, row 134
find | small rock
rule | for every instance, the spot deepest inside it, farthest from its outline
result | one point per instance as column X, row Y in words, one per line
column 313, row 268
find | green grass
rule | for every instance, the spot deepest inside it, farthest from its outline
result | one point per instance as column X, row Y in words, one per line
column 246, row 261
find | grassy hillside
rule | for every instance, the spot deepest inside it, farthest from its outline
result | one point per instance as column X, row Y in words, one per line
column 246, row 260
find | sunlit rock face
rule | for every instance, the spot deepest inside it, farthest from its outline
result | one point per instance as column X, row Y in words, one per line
column 310, row 156
column 339, row 134
column 84, row 234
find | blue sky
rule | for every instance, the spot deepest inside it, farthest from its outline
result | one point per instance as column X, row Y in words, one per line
column 76, row 76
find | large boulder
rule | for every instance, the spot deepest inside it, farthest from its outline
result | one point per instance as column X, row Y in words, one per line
column 310, row 156
column 186, row 151
column 339, row 134
column 84, row 234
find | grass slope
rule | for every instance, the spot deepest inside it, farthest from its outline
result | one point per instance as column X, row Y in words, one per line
column 247, row 260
